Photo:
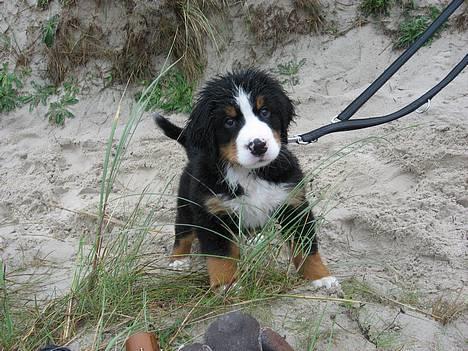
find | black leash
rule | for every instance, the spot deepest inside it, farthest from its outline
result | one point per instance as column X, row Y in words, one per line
column 341, row 122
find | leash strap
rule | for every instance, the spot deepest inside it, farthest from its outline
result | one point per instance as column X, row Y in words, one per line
column 343, row 126
column 342, row 123
column 352, row 108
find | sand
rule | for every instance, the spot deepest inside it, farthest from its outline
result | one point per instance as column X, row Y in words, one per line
column 397, row 218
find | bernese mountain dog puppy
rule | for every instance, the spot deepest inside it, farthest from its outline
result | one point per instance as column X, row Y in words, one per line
column 240, row 173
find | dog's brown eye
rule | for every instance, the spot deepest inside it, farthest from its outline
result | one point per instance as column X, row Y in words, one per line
column 264, row 113
column 229, row 123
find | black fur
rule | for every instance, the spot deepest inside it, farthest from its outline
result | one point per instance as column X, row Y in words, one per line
column 204, row 174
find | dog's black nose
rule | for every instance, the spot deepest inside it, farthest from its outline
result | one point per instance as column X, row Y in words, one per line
column 258, row 147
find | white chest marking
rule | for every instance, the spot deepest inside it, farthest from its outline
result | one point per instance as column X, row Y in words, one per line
column 260, row 199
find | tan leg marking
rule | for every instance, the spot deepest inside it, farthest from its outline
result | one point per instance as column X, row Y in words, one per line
column 183, row 247
column 312, row 267
column 223, row 271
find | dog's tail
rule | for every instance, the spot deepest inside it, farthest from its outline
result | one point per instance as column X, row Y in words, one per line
column 170, row 129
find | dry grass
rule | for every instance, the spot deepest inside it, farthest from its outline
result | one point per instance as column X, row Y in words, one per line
column 148, row 33
column 273, row 25
column 193, row 29
column 73, row 46
column 313, row 10
column 447, row 309
column 461, row 21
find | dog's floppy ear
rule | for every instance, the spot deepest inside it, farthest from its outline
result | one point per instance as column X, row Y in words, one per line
column 287, row 115
column 199, row 129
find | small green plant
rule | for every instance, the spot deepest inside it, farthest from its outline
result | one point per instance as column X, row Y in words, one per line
column 58, row 110
column 376, row 7
column 49, row 30
column 43, row 4
column 10, row 84
column 67, row 2
column 412, row 28
column 289, row 71
column 172, row 94
column 41, row 94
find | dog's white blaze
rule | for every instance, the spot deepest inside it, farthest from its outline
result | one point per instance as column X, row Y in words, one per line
column 261, row 198
column 252, row 129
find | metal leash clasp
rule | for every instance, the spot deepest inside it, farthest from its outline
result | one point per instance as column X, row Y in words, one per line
column 298, row 140
column 425, row 108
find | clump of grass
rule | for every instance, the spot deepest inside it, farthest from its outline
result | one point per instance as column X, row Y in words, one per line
column 73, row 45
column 273, row 25
column 49, row 30
column 289, row 71
column 68, row 2
column 187, row 22
column 447, row 309
column 58, row 110
column 375, row 7
column 314, row 13
column 173, row 93
column 10, row 85
column 43, row 4
column 194, row 27
column 412, row 28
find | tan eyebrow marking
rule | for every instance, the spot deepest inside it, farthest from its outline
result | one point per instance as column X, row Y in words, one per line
column 231, row 111
column 260, row 101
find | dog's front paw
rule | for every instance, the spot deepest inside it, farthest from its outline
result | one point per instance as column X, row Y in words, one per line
column 180, row 264
column 326, row 282
column 228, row 289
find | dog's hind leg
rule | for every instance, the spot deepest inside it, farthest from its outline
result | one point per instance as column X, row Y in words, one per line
column 300, row 223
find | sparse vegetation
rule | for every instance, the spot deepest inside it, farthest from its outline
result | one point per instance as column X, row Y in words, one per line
column 43, row 4
column 49, row 30
column 376, row 7
column 73, row 45
column 412, row 28
column 173, row 93
column 448, row 308
column 273, row 25
column 314, row 11
column 356, row 289
column 58, row 110
column 288, row 72
column 193, row 28
column 10, row 86
column 41, row 94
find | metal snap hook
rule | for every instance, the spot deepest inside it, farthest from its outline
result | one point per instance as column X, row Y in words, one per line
column 425, row 108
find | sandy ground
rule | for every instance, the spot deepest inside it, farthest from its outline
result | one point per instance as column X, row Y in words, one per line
column 397, row 217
